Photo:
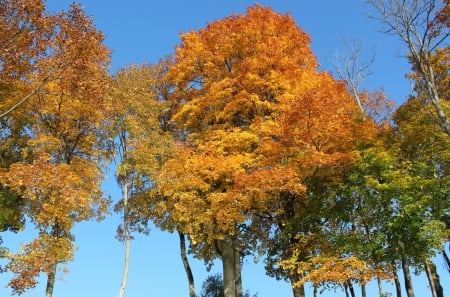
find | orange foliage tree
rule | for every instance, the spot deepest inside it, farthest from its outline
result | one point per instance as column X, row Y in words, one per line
column 256, row 124
column 59, row 177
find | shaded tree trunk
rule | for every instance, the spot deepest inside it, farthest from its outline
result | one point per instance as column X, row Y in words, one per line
column 228, row 264
column 51, row 276
column 237, row 269
column 446, row 259
column 351, row 289
column 297, row 291
column 433, row 279
column 187, row 266
column 398, row 287
column 406, row 271
column 346, row 290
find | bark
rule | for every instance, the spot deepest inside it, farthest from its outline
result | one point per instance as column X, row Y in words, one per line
column 363, row 290
column 297, row 291
column 126, row 264
column 351, row 289
column 433, row 279
column 51, row 276
column 398, row 287
column 237, row 269
column 406, row 271
column 346, row 290
column 187, row 266
column 380, row 286
column 229, row 278
column 446, row 259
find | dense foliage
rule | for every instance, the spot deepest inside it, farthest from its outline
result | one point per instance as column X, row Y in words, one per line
column 236, row 141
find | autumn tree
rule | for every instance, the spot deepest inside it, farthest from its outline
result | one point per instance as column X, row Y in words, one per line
column 255, row 123
column 424, row 28
column 60, row 177
column 136, row 106
column 424, row 148
column 25, row 34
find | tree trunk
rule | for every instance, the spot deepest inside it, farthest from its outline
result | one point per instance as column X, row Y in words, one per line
column 297, row 291
column 405, row 267
column 237, row 269
column 51, row 276
column 123, row 285
column 352, row 290
column 186, row 265
column 433, row 279
column 346, row 290
column 363, row 290
column 398, row 287
column 380, row 286
column 228, row 264
column 446, row 259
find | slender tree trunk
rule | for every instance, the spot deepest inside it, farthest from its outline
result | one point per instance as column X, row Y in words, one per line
column 363, row 290
column 446, row 259
column 346, row 290
column 237, row 269
column 186, row 265
column 229, row 278
column 406, row 272
column 126, row 231
column 51, row 276
column 398, row 287
column 380, row 286
column 314, row 291
column 433, row 279
column 351, row 289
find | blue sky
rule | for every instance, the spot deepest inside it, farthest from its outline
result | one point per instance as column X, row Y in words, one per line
column 140, row 31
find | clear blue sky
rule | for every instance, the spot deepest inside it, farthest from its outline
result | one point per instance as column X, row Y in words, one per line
column 145, row 30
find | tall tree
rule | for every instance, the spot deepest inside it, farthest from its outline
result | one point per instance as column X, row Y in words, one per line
column 424, row 28
column 425, row 149
column 60, row 177
column 26, row 31
column 257, row 124
column 136, row 108
column 228, row 77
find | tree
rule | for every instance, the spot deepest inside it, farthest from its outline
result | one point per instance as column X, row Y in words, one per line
column 59, row 178
column 228, row 77
column 424, row 148
column 136, row 107
column 424, row 28
column 258, row 126
column 25, row 34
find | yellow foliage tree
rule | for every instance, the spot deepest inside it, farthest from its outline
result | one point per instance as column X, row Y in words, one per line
column 59, row 179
